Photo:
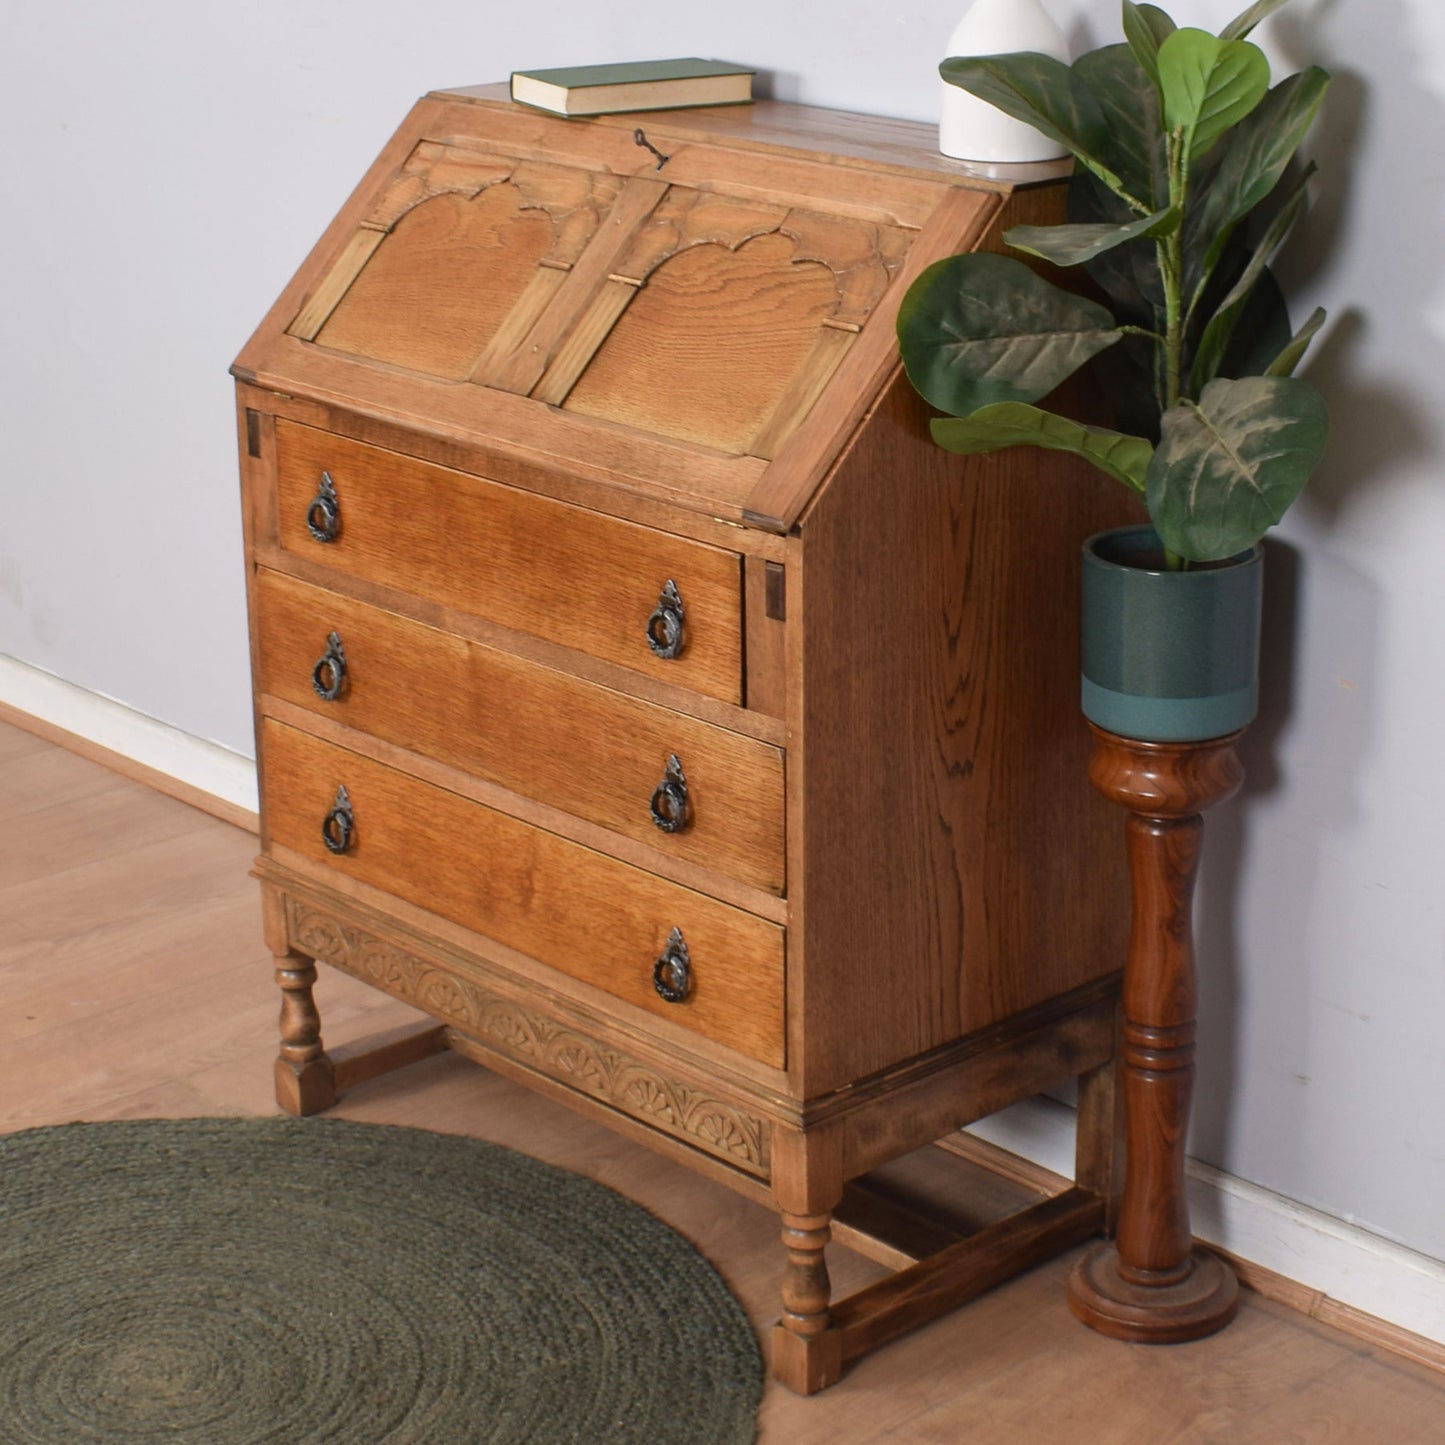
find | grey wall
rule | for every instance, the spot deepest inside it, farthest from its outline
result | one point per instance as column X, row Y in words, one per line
column 169, row 163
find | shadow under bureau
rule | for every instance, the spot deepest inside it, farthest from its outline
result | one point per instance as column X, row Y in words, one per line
column 643, row 696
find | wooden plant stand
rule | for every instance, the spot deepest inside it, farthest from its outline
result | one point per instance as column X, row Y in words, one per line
column 1152, row 1285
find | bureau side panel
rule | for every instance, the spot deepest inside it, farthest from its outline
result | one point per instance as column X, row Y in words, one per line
column 956, row 866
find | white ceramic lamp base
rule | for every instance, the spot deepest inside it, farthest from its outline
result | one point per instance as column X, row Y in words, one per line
column 969, row 128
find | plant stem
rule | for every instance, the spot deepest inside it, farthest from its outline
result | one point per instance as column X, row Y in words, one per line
column 1141, row 331
column 1171, row 267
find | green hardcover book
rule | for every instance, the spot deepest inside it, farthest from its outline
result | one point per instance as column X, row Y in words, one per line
column 635, row 85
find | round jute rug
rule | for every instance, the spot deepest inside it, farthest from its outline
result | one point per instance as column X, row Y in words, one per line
column 221, row 1281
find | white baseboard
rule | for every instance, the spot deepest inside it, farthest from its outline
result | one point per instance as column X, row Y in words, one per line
column 206, row 766
column 1347, row 1263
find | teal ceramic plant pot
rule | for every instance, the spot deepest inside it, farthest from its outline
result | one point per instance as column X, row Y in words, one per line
column 1168, row 656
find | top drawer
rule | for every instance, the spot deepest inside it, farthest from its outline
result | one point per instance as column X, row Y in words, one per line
column 659, row 604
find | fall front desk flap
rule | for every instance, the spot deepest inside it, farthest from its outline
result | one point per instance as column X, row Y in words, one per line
column 668, row 305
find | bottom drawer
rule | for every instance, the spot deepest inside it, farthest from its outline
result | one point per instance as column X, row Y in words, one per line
column 574, row 909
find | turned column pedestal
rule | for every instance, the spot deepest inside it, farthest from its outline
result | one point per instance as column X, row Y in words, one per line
column 1151, row 1285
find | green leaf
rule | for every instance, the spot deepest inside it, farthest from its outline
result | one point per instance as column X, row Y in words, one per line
column 1041, row 92
column 1128, row 101
column 1251, row 163
column 1073, row 245
column 1215, row 340
column 1146, row 28
column 1229, row 466
column 1209, row 85
column 1129, row 274
column 1261, row 333
column 1285, row 363
column 1241, row 25
column 1129, row 376
column 1010, row 424
column 978, row 329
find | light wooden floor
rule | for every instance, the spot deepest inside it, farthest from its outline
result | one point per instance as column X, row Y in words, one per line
column 133, row 983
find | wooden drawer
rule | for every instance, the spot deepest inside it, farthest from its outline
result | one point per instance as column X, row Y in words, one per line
column 585, row 749
column 582, row 913
column 540, row 566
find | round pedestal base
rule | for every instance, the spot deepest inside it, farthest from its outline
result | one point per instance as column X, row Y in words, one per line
column 1201, row 1303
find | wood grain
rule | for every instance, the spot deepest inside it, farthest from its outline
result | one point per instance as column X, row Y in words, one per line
column 701, row 878
column 565, row 574
column 765, row 625
column 687, row 217
column 606, row 466
column 480, row 454
column 538, row 294
column 1152, row 1285
column 520, row 370
column 580, row 344
column 572, row 909
column 359, row 250
column 433, row 170
column 925, row 583
column 384, row 1053
column 888, row 168
column 443, row 275
column 753, row 314
column 958, row 221
column 964, row 1270
column 829, row 347
column 441, row 283
column 494, row 1025
column 982, row 1074
column 581, row 748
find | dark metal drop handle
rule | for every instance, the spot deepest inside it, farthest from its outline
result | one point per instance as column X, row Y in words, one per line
column 669, row 799
column 328, row 677
column 338, row 826
column 664, row 627
column 323, row 516
column 672, row 973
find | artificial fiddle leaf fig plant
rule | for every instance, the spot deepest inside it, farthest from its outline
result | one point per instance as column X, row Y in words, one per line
column 1179, row 202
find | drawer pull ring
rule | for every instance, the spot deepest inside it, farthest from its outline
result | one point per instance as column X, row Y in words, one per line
column 672, row 974
column 669, row 799
column 323, row 516
column 664, row 627
column 339, row 824
column 328, row 677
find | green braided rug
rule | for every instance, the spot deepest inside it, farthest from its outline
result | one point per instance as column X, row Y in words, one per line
column 218, row 1281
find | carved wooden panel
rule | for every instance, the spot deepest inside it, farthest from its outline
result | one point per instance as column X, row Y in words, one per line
column 433, row 170
column 687, row 218
column 863, row 258
column 724, row 320
column 570, row 1055
column 438, row 287
column 457, row 258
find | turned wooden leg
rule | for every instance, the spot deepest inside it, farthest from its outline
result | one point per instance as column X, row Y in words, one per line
column 305, row 1080
column 1152, row 1285
column 807, row 1184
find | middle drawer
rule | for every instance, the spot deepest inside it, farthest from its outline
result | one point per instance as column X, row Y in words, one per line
column 594, row 753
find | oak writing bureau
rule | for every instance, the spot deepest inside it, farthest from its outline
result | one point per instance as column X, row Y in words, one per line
column 642, row 695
